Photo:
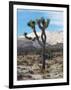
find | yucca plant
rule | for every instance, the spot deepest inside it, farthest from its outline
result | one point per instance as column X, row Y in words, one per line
column 42, row 24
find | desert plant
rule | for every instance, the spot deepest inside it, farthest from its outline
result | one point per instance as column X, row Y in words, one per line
column 42, row 24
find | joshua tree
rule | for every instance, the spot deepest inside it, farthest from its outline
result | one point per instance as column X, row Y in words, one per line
column 42, row 24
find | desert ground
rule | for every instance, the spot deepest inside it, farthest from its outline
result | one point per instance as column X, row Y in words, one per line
column 29, row 67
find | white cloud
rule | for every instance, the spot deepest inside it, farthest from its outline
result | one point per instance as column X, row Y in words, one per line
column 58, row 23
column 55, row 17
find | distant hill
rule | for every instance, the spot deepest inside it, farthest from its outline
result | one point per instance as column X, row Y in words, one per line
column 54, row 40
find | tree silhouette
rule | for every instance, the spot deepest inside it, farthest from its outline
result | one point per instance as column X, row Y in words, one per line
column 42, row 24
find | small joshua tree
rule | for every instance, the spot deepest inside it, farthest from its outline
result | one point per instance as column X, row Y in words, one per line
column 42, row 24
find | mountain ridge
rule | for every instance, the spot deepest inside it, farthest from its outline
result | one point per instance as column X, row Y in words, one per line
column 52, row 38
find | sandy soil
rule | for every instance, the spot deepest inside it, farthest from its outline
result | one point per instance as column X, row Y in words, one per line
column 29, row 67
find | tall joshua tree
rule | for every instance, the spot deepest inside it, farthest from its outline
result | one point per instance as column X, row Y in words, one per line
column 42, row 24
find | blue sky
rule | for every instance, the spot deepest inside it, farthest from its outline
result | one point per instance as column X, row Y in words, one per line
column 24, row 16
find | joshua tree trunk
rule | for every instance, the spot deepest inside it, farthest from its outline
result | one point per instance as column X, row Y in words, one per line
column 43, row 58
column 43, row 37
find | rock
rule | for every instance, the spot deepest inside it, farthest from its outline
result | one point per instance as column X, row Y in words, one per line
column 27, row 77
column 31, row 72
column 24, row 71
column 35, row 67
column 40, row 65
column 46, row 76
column 54, row 76
column 37, row 76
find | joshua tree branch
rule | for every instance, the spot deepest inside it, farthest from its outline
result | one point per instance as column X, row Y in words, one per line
column 30, row 38
column 43, row 37
column 39, row 24
column 37, row 37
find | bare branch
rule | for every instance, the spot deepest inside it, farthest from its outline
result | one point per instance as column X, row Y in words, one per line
column 37, row 37
column 39, row 24
column 48, row 21
column 30, row 38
